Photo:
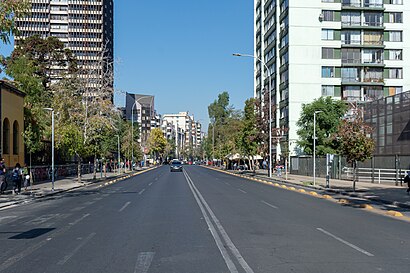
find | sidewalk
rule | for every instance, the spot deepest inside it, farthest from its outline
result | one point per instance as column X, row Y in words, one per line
column 45, row 188
column 384, row 193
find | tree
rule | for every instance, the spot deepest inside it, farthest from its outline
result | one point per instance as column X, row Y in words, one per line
column 9, row 10
column 157, row 142
column 44, row 54
column 327, row 124
column 249, row 134
column 354, row 142
column 129, row 143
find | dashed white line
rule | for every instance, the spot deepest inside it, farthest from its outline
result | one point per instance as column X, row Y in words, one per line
column 123, row 207
column 80, row 219
column 141, row 191
column 242, row 191
column 270, row 205
column 227, row 183
column 150, row 184
column 345, row 242
column 72, row 253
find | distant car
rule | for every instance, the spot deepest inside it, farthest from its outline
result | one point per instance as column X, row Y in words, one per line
column 175, row 166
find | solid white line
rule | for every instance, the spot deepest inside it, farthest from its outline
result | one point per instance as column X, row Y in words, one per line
column 78, row 220
column 72, row 253
column 345, row 242
column 224, row 235
column 141, row 191
column 144, row 261
column 123, row 207
column 242, row 191
column 228, row 261
column 270, row 205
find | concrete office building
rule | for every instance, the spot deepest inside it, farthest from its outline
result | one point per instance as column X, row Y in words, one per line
column 354, row 50
column 144, row 113
column 84, row 26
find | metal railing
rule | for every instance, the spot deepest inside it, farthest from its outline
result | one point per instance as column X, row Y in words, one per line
column 376, row 175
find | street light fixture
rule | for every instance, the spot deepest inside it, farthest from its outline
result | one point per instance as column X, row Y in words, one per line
column 270, row 105
column 314, row 146
column 52, row 146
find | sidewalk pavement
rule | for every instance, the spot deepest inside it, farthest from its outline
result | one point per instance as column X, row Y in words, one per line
column 384, row 193
column 45, row 188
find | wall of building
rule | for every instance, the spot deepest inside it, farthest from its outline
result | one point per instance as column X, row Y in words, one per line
column 12, row 109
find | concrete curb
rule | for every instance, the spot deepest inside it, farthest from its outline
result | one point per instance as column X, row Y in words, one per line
column 338, row 191
column 98, row 181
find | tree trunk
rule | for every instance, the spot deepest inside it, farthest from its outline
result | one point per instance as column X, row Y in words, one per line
column 78, row 169
column 354, row 175
column 95, row 167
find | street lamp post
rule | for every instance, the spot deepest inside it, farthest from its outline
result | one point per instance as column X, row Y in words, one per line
column 314, row 146
column 52, row 147
column 270, row 105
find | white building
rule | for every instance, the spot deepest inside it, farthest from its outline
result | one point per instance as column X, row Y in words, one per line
column 348, row 49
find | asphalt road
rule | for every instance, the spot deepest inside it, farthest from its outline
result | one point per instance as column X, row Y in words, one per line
column 197, row 221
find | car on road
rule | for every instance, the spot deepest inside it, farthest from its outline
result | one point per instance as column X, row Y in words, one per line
column 175, row 166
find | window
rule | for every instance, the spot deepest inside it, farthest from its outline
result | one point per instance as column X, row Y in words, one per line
column 373, row 19
column 373, row 38
column 328, row 1
column 395, row 36
column 393, row 90
column 351, row 18
column 328, row 90
column 328, row 34
column 395, row 54
column 351, row 55
column 351, row 37
column 351, row 93
column 373, row 56
column 6, row 136
column 16, row 134
column 395, row 73
column 350, row 74
column 328, row 53
column 351, row 3
column 373, row 3
column 395, row 17
column 396, row 2
column 373, row 74
column 328, row 72
column 328, row 15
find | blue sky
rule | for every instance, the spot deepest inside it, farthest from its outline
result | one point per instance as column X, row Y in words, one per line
column 180, row 51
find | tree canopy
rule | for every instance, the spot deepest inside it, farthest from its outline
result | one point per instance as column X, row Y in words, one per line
column 327, row 123
column 9, row 10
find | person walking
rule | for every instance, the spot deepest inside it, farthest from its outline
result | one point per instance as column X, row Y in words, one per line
column 3, row 170
column 407, row 180
column 26, row 177
column 16, row 178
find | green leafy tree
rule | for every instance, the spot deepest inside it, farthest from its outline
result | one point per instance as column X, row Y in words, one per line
column 327, row 123
column 157, row 142
column 9, row 10
column 43, row 54
column 249, row 135
column 354, row 142
column 130, row 142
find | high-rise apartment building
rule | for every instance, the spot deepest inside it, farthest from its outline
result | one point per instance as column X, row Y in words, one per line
column 354, row 50
column 84, row 26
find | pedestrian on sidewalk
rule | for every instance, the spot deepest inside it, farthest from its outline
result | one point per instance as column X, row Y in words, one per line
column 2, row 176
column 16, row 178
column 26, row 177
column 407, row 180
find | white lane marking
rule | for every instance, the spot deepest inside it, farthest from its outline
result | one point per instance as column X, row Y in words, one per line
column 7, row 217
column 79, row 219
column 224, row 235
column 123, row 207
column 72, row 253
column 141, row 191
column 89, row 203
column 242, row 191
column 228, row 261
column 270, row 205
column 227, row 183
column 150, row 184
column 144, row 261
column 77, row 209
column 345, row 242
